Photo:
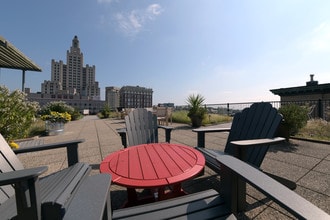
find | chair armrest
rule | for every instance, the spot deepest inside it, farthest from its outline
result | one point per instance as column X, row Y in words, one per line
column 122, row 133
column 92, row 199
column 121, row 130
column 165, row 127
column 209, row 130
column 168, row 131
column 21, row 175
column 256, row 142
column 242, row 145
column 201, row 134
column 288, row 199
column 71, row 147
column 27, row 191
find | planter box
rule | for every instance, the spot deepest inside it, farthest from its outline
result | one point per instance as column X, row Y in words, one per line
column 283, row 131
column 54, row 128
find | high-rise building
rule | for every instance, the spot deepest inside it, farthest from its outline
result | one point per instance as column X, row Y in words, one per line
column 112, row 96
column 75, row 84
column 72, row 78
column 135, row 97
column 72, row 83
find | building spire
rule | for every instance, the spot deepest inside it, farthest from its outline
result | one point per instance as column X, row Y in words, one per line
column 75, row 42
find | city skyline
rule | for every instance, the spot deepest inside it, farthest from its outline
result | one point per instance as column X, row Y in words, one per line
column 226, row 51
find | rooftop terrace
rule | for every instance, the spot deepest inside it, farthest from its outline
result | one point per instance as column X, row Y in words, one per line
column 306, row 163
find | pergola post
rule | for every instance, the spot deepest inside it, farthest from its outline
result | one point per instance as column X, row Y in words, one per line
column 23, row 80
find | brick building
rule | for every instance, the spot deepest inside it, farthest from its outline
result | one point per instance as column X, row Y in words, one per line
column 135, row 97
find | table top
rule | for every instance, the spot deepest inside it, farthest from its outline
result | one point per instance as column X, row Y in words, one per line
column 153, row 165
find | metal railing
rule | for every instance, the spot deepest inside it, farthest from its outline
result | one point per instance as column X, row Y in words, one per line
column 317, row 108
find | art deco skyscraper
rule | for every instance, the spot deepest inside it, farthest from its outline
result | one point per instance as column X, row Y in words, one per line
column 73, row 77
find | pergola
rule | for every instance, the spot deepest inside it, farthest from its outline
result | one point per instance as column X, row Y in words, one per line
column 12, row 58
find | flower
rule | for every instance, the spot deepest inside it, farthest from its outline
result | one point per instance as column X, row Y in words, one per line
column 13, row 145
column 57, row 117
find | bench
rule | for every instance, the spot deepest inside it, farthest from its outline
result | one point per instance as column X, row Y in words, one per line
column 228, row 203
column 61, row 195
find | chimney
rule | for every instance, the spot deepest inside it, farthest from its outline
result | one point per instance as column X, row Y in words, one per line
column 312, row 82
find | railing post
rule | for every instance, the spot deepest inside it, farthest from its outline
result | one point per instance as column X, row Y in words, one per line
column 320, row 109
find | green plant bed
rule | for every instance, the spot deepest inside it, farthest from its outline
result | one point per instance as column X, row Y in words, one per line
column 217, row 119
column 181, row 117
column 316, row 130
column 37, row 128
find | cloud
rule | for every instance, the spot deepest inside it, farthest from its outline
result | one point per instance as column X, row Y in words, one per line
column 104, row 1
column 133, row 22
column 154, row 9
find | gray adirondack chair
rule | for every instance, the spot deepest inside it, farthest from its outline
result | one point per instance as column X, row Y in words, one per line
column 23, row 195
column 142, row 128
column 210, row 204
column 251, row 134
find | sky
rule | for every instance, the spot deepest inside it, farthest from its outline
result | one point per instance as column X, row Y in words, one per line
column 225, row 50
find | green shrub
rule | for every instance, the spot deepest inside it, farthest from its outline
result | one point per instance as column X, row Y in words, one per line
column 76, row 115
column 295, row 117
column 60, row 107
column 56, row 106
column 106, row 111
column 16, row 114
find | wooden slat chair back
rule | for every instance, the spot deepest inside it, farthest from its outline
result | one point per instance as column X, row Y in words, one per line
column 8, row 162
column 164, row 115
column 259, row 121
column 251, row 134
column 141, row 127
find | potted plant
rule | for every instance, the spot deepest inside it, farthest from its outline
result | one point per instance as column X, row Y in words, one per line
column 196, row 110
column 54, row 122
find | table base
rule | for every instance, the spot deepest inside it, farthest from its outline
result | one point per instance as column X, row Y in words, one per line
column 156, row 194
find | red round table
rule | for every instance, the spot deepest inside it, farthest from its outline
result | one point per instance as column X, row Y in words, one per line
column 155, row 165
